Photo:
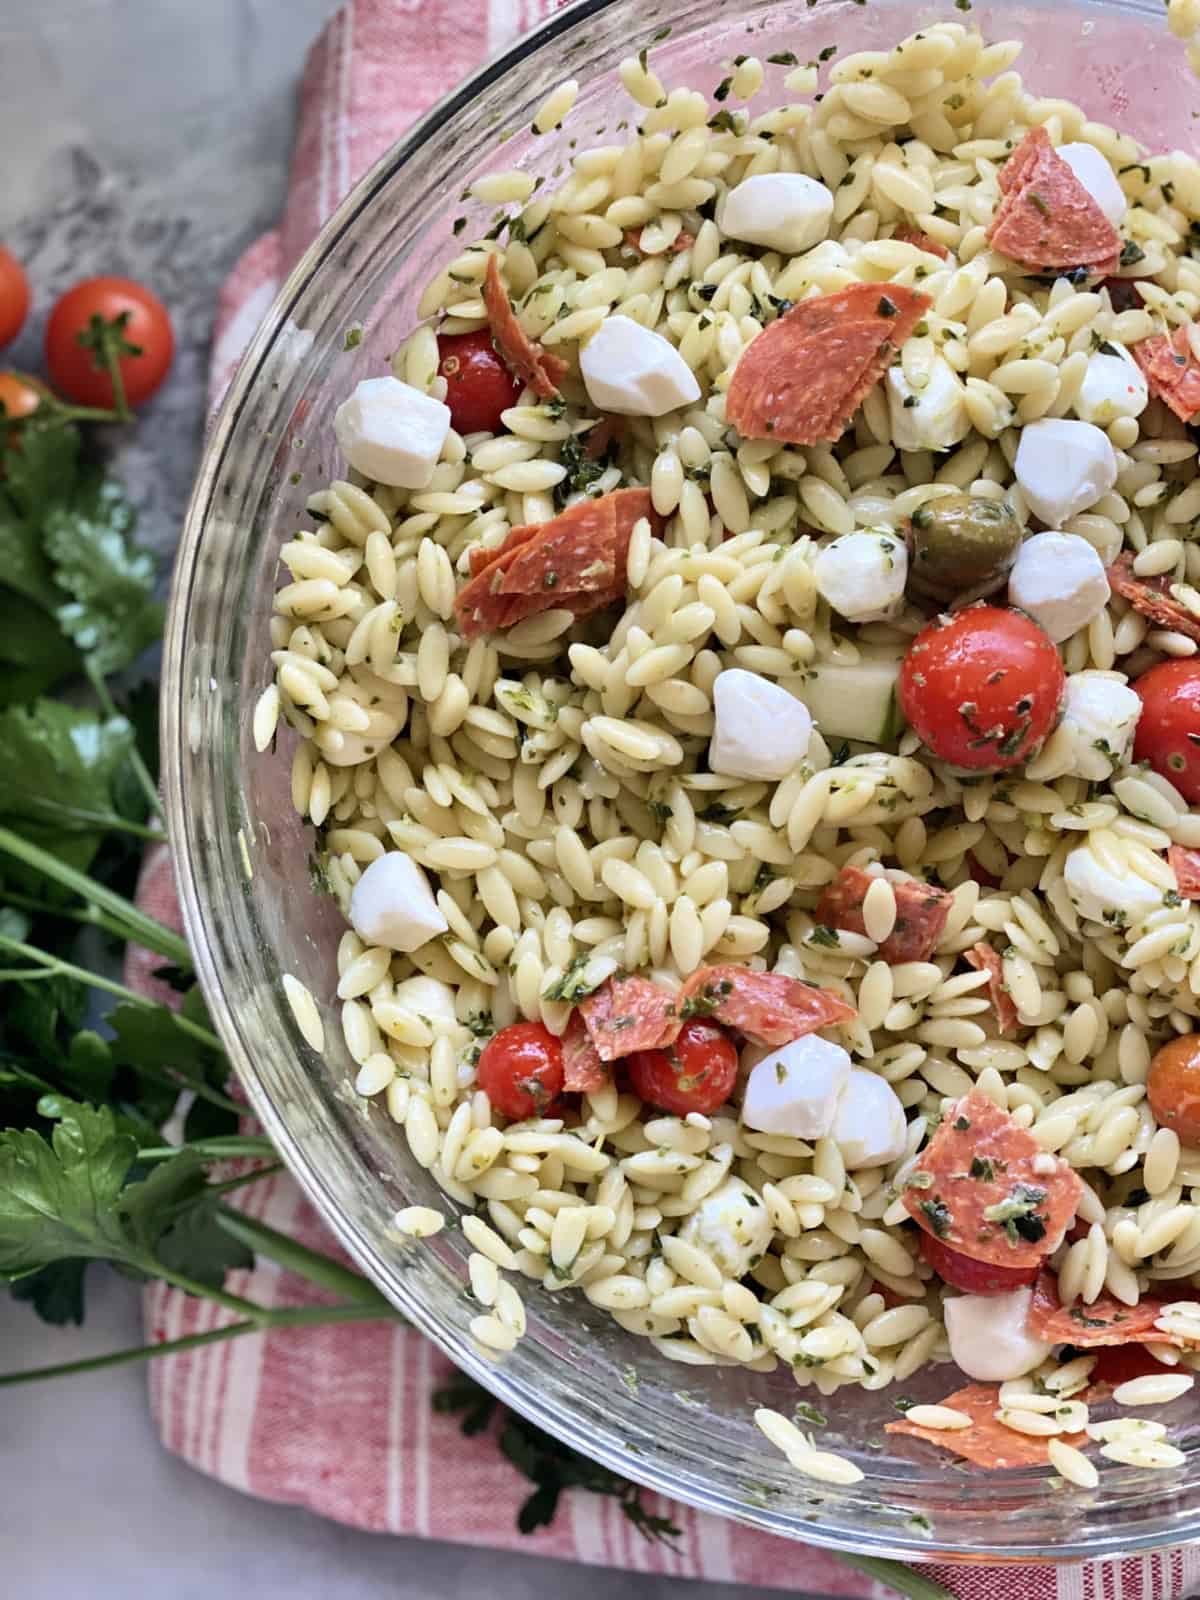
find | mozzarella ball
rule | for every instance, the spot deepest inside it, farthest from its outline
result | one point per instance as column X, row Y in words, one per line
column 933, row 417
column 782, row 210
column 869, row 1126
column 1113, row 386
column 1103, row 888
column 634, row 371
column 1059, row 581
column 1064, row 467
column 391, row 432
column 393, row 905
column 760, row 730
column 1099, row 718
column 988, row 1337
column 1097, row 176
column 795, row 1089
column 732, row 1225
column 862, row 575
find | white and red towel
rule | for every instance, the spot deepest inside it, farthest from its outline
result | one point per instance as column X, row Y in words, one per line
column 339, row 1419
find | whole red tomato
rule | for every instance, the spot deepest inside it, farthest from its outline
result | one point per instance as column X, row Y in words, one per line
column 696, row 1073
column 104, row 322
column 972, row 1277
column 983, row 687
column 521, row 1070
column 1173, row 1087
column 14, row 297
column 478, row 384
column 1168, row 732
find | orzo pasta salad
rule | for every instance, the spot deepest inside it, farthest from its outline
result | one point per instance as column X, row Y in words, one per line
column 747, row 692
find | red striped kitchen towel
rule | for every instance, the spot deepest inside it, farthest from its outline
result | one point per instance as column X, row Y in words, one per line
column 339, row 1419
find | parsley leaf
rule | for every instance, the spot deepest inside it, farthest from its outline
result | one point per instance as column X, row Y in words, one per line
column 59, row 766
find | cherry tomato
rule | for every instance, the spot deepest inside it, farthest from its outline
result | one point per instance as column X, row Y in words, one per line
column 14, row 296
column 1173, row 1087
column 983, row 687
column 1119, row 1363
column 121, row 312
column 478, row 384
column 696, row 1073
column 521, row 1070
column 18, row 397
column 971, row 1276
column 1168, row 732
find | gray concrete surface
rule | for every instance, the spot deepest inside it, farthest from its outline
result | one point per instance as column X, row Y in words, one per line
column 150, row 137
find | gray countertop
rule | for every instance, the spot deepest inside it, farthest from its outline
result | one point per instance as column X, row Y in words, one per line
column 151, row 137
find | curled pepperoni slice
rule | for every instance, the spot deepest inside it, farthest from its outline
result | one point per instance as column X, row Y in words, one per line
column 1105, row 1321
column 986, row 1443
column 1185, row 864
column 985, row 1187
column 1047, row 219
column 768, row 1007
column 583, row 1069
column 627, row 1014
column 922, row 910
column 805, row 375
column 1152, row 597
column 1172, row 371
column 536, row 367
column 909, row 235
column 984, row 959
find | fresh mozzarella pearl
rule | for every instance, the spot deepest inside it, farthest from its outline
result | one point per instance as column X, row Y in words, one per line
column 869, row 1126
column 391, row 432
column 634, row 371
column 732, row 1225
column 931, row 418
column 1060, row 581
column 393, row 905
column 1102, row 890
column 1064, row 467
column 988, row 1337
column 759, row 729
column 429, row 998
column 862, row 575
column 1098, row 178
column 1099, row 717
column 782, row 210
column 1113, row 386
column 795, row 1089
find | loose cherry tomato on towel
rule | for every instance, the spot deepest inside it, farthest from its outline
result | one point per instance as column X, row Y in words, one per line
column 521, row 1070
column 14, row 297
column 983, row 687
column 478, row 384
column 105, row 325
column 1168, row 732
column 696, row 1073
column 972, row 1277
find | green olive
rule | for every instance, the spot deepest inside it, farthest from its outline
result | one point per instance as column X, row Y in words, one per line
column 963, row 547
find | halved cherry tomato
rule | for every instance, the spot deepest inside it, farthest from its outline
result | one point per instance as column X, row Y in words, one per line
column 14, row 296
column 1173, row 1087
column 983, row 687
column 119, row 314
column 1168, row 732
column 971, row 1276
column 478, row 384
column 521, row 1070
column 696, row 1073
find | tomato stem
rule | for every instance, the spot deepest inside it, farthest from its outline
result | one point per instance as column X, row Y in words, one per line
column 105, row 337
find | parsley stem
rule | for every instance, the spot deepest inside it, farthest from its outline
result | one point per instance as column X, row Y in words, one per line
column 108, row 820
column 89, row 916
column 144, row 930
column 244, row 1178
column 232, row 1148
column 109, row 706
column 284, row 1317
column 904, row 1580
column 322, row 1270
column 204, row 1291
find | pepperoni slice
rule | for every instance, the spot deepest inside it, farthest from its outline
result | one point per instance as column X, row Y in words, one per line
column 575, row 561
column 986, row 1443
column 480, row 557
column 1152, row 597
column 768, row 1007
column 979, row 1186
column 627, row 1014
column 683, row 241
column 608, row 431
column 922, row 910
column 1047, row 219
column 1186, row 866
column 910, row 235
column 583, row 1069
column 1172, row 371
column 984, row 959
column 805, row 375
column 537, row 368
column 1105, row 1322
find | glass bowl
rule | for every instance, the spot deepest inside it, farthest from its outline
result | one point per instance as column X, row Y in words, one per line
column 242, row 855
